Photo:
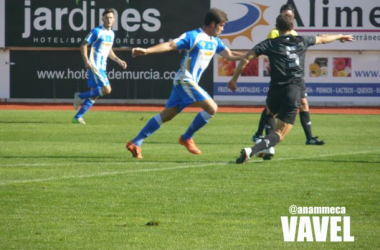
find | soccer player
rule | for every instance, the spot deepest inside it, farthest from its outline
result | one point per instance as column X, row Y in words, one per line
column 286, row 56
column 304, row 107
column 101, row 40
column 199, row 47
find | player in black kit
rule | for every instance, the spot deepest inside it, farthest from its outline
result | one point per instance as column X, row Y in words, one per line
column 286, row 56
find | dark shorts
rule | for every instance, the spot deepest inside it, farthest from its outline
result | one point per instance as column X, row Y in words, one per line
column 303, row 91
column 284, row 101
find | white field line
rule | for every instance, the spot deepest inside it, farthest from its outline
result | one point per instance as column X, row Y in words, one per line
column 152, row 169
column 82, row 163
column 111, row 173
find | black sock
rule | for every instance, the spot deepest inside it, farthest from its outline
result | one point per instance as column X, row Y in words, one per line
column 306, row 124
column 271, row 125
column 262, row 123
column 269, row 141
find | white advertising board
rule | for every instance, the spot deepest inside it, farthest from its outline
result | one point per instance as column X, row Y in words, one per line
column 251, row 20
column 347, row 77
column 4, row 72
column 335, row 73
column 2, row 23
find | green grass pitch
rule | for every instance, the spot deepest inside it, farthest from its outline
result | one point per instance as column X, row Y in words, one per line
column 66, row 186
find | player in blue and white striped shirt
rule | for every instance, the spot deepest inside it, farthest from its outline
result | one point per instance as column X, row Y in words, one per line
column 101, row 40
column 199, row 46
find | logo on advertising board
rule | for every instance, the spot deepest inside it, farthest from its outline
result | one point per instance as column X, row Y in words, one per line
column 64, row 23
column 244, row 25
column 41, row 21
column 250, row 19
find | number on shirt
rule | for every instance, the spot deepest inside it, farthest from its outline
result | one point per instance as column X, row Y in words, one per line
column 291, row 53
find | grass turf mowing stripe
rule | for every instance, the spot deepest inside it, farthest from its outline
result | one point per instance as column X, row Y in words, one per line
column 159, row 169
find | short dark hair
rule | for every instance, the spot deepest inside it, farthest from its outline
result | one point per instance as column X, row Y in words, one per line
column 215, row 15
column 109, row 10
column 287, row 7
column 284, row 22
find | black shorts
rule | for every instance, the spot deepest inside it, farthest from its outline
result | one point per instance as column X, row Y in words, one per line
column 303, row 91
column 284, row 101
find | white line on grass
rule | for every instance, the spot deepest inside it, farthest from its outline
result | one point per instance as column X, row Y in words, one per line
column 111, row 173
column 100, row 163
column 83, row 163
column 159, row 169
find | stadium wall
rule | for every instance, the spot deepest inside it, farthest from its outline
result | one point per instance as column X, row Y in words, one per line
column 41, row 60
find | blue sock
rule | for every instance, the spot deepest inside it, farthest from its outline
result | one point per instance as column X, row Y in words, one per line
column 87, row 104
column 152, row 126
column 200, row 120
column 92, row 93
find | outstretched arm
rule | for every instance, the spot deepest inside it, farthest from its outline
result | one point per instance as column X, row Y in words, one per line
column 232, row 55
column 159, row 48
column 113, row 56
column 331, row 38
column 243, row 63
